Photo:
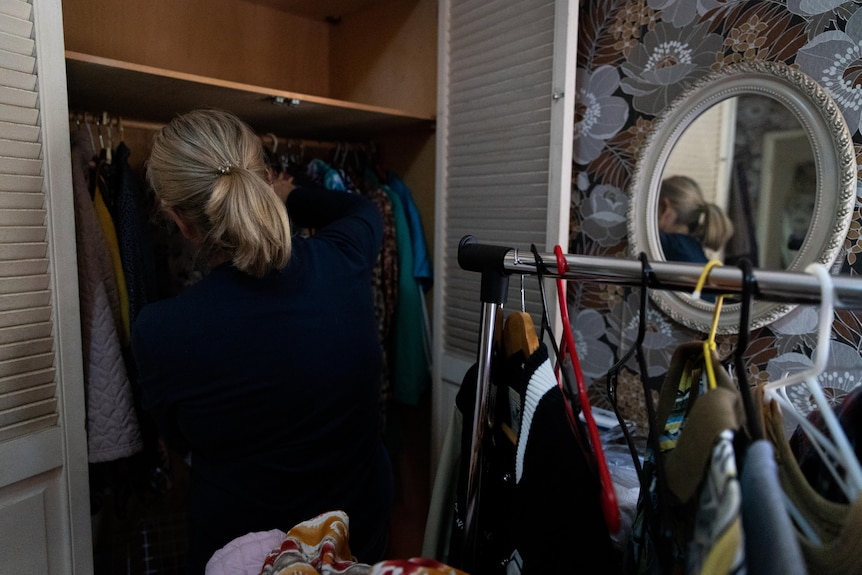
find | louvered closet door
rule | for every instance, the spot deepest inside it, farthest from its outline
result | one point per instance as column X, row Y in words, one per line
column 505, row 115
column 44, row 508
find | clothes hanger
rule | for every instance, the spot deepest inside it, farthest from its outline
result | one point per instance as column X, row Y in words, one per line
column 820, row 355
column 613, row 372
column 564, row 376
column 691, row 362
column 608, row 495
column 106, row 119
column 103, row 150
column 709, row 345
column 546, row 322
column 834, row 449
column 519, row 332
column 749, row 287
column 90, row 133
column 566, row 385
column 274, row 138
column 518, row 337
column 753, row 426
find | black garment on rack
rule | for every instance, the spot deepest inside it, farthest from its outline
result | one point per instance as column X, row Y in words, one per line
column 129, row 202
column 549, row 520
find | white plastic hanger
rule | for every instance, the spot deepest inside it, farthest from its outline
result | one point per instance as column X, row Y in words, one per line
column 835, row 449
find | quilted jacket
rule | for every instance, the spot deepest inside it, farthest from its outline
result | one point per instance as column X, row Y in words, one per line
column 112, row 423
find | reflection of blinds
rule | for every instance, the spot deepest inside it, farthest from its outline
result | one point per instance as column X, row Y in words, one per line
column 705, row 150
column 27, row 385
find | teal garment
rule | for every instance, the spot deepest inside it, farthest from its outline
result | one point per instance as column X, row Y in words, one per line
column 322, row 173
column 421, row 261
column 411, row 374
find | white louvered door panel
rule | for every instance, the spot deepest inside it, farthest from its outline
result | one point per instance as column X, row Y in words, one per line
column 44, row 500
column 505, row 114
column 498, row 124
column 27, row 383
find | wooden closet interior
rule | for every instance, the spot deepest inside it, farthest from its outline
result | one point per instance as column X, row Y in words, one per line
column 321, row 70
column 324, row 70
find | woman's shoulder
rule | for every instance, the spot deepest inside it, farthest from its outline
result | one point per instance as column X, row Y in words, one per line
column 682, row 248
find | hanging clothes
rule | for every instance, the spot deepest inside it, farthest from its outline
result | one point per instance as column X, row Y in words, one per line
column 411, row 356
column 411, row 375
column 323, row 174
column 109, row 233
column 421, row 262
column 770, row 542
column 832, row 547
column 130, row 206
column 130, row 202
column 537, row 487
column 849, row 415
column 422, row 272
column 384, row 280
column 689, row 512
column 112, row 424
column 399, row 305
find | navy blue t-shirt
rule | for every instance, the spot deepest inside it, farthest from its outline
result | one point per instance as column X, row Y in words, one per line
column 273, row 384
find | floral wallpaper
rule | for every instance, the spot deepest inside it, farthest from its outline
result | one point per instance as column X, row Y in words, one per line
column 634, row 58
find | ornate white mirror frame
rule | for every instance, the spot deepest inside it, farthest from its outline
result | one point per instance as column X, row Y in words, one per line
column 835, row 166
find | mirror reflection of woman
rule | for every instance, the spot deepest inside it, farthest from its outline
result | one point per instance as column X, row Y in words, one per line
column 688, row 223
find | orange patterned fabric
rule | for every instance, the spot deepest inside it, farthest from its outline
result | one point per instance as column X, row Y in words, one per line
column 320, row 546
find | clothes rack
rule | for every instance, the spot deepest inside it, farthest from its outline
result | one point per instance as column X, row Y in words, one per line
column 107, row 129
column 772, row 285
column 269, row 139
column 497, row 263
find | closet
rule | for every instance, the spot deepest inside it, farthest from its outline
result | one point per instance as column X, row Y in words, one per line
column 305, row 73
column 334, row 71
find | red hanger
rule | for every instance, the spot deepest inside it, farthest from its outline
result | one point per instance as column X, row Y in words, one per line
column 610, row 508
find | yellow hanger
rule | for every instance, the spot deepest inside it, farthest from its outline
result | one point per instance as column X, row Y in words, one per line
column 709, row 345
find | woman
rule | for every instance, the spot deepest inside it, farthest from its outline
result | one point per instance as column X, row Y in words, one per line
column 687, row 222
column 268, row 369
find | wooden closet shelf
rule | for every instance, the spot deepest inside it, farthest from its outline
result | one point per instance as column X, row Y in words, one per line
column 154, row 94
column 319, row 9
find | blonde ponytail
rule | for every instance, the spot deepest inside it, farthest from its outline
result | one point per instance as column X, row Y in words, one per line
column 208, row 166
column 705, row 221
column 248, row 223
column 716, row 228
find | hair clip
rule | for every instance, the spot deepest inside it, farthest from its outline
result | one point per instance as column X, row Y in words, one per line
column 225, row 169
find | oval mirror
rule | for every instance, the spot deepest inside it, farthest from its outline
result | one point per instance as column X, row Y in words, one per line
column 766, row 145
